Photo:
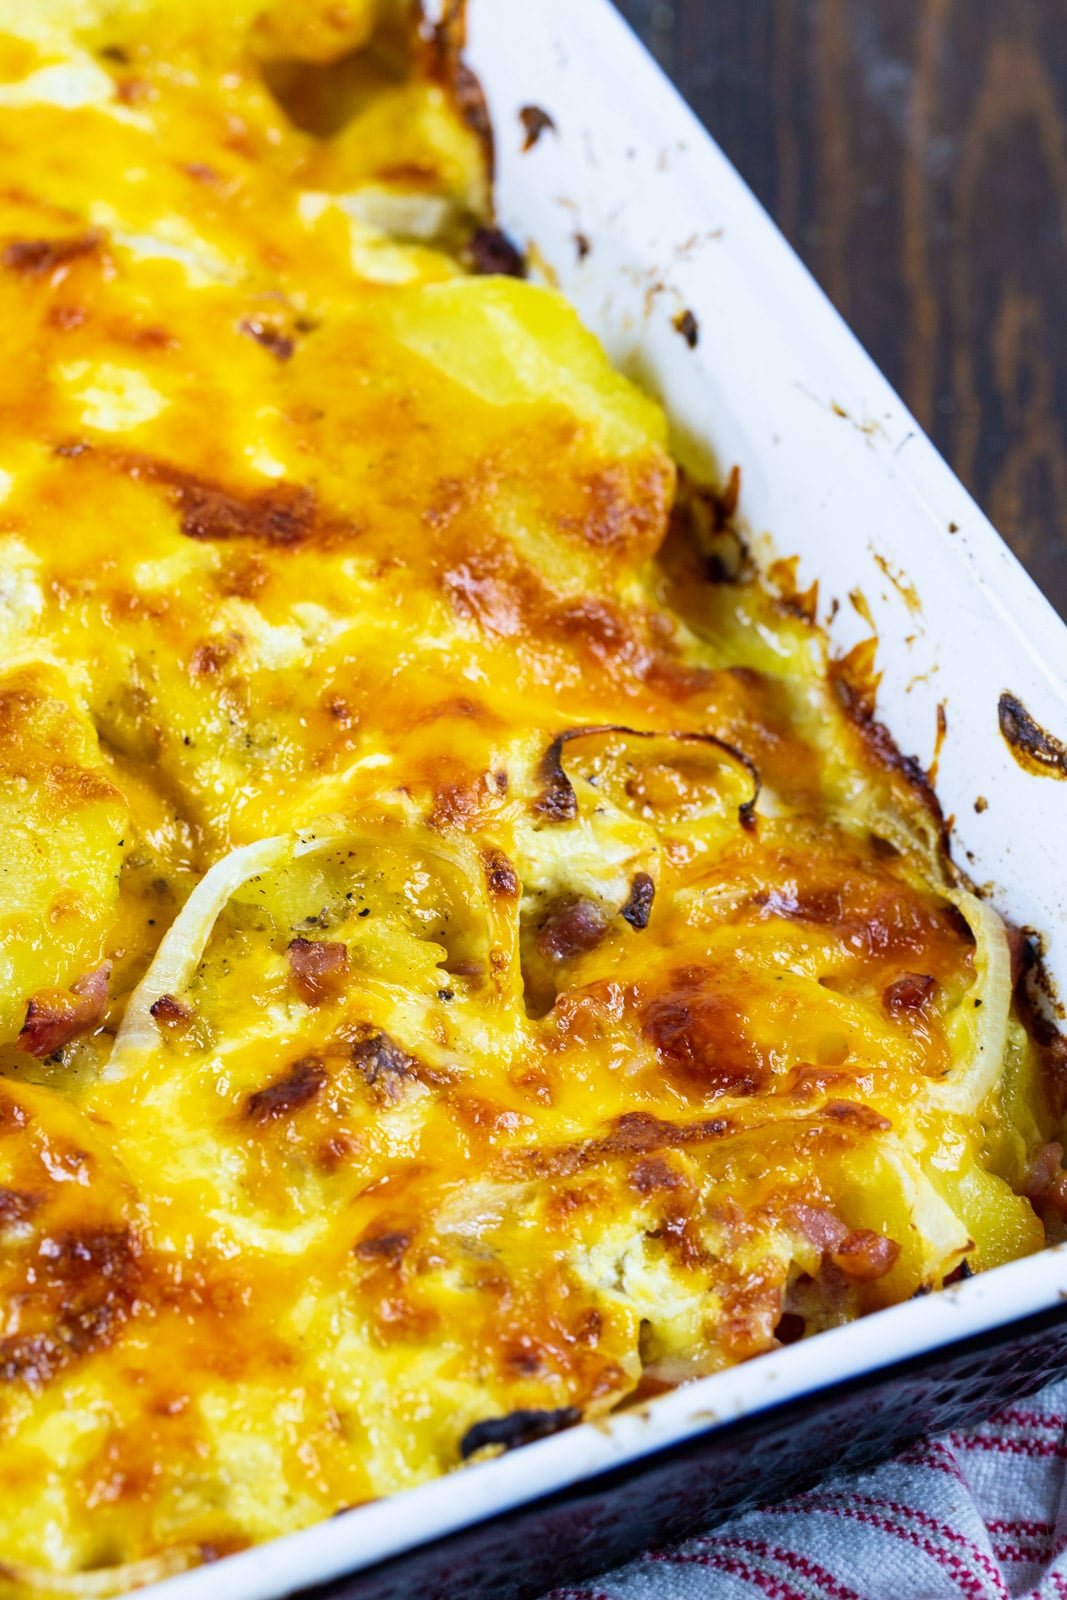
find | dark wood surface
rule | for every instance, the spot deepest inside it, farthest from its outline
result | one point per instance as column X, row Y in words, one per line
column 915, row 154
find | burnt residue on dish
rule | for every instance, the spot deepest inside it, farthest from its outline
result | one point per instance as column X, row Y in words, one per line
column 688, row 326
column 448, row 41
column 854, row 680
column 535, row 122
column 491, row 253
column 519, row 1427
column 901, row 583
column 703, row 519
column 784, row 581
column 1035, row 749
column 939, row 743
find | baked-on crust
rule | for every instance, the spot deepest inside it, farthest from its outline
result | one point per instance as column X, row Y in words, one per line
column 466, row 958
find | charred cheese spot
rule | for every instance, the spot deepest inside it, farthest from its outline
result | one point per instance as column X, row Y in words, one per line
column 296, row 1088
column 71, row 1260
column 702, row 1040
column 384, row 1065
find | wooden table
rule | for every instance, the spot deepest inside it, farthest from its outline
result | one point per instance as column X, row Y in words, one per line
column 915, row 154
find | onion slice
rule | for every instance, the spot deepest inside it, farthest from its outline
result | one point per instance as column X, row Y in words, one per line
column 187, row 938
column 978, row 1033
column 102, row 1582
column 185, row 941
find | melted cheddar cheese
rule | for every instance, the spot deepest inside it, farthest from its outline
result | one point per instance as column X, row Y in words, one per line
column 468, row 958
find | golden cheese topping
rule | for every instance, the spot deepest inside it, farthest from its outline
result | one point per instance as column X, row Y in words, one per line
column 468, row 958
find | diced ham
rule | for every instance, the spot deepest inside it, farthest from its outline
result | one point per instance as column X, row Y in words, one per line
column 318, row 969
column 858, row 1253
column 56, row 1016
column 572, row 929
column 865, row 1255
column 1044, row 1167
column 909, row 994
column 1046, row 1182
column 819, row 1224
column 169, row 1012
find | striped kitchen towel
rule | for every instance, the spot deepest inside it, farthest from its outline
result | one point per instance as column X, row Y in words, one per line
column 980, row 1515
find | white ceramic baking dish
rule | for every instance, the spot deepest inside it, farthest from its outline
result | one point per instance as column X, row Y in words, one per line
column 836, row 472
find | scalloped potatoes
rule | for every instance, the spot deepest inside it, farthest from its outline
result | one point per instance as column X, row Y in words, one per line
column 466, row 955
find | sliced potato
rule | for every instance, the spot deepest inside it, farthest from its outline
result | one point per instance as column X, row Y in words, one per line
column 62, row 821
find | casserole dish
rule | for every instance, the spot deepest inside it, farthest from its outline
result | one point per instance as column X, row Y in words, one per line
column 835, row 471
column 812, row 400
